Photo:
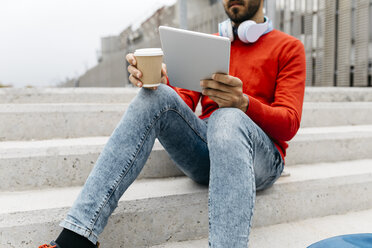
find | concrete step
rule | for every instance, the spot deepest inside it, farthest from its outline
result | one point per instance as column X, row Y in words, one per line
column 297, row 234
column 67, row 95
column 330, row 144
column 67, row 162
column 46, row 121
column 338, row 94
column 71, row 120
column 124, row 95
column 321, row 114
column 155, row 211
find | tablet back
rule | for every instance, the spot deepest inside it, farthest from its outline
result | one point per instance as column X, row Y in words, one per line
column 193, row 56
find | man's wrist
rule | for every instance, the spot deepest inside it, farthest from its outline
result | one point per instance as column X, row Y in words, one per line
column 245, row 104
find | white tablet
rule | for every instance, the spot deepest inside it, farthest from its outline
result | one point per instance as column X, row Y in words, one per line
column 193, row 56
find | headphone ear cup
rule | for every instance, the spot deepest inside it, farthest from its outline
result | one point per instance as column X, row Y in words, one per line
column 225, row 29
column 247, row 32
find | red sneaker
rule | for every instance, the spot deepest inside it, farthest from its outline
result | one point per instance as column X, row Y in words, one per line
column 51, row 245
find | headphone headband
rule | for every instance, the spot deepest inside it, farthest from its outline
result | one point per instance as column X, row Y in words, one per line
column 225, row 29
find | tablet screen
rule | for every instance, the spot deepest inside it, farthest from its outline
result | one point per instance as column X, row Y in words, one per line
column 192, row 56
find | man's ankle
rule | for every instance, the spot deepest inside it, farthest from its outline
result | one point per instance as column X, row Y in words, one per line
column 70, row 239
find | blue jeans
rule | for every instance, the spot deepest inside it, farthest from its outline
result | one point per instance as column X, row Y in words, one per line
column 229, row 152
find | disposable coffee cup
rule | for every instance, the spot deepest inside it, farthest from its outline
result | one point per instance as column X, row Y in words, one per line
column 149, row 62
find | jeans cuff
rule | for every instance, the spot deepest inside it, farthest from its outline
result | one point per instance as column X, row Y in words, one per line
column 80, row 230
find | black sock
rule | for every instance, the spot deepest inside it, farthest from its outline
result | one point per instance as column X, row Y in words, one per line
column 70, row 239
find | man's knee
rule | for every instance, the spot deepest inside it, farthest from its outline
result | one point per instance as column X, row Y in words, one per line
column 148, row 104
column 162, row 96
column 228, row 124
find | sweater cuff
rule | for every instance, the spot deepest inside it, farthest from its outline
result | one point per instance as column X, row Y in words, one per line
column 254, row 107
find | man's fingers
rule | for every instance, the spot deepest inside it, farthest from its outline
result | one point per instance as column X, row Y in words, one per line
column 134, row 71
column 163, row 80
column 163, row 74
column 212, row 84
column 220, row 101
column 135, row 81
column 163, row 69
column 216, row 93
column 131, row 59
column 227, row 79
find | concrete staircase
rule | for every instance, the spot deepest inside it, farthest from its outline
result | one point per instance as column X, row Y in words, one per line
column 51, row 138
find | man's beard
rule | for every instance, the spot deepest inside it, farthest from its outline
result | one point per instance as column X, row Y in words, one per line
column 248, row 13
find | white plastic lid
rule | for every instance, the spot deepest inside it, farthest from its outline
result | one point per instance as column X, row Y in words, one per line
column 149, row 52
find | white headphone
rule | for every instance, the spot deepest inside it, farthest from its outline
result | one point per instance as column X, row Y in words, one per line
column 248, row 31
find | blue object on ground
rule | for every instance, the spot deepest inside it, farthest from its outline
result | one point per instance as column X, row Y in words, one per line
column 362, row 240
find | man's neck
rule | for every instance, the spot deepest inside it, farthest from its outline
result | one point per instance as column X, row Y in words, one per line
column 259, row 17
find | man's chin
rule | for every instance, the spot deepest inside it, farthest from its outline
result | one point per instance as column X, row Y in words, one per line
column 236, row 9
column 236, row 13
column 236, row 18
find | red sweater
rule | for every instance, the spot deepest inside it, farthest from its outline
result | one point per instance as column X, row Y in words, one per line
column 273, row 72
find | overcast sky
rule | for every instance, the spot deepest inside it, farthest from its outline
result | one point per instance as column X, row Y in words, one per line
column 42, row 42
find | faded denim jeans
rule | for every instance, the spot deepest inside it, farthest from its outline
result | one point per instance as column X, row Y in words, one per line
column 229, row 152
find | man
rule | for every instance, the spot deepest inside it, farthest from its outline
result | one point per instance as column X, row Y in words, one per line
column 237, row 146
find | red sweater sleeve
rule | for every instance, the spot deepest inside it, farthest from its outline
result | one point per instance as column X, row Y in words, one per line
column 191, row 98
column 281, row 119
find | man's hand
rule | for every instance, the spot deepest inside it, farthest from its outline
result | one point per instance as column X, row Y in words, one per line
column 226, row 91
column 135, row 74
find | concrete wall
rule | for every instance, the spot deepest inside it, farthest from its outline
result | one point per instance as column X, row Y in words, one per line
column 111, row 72
column 109, row 46
column 193, row 7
